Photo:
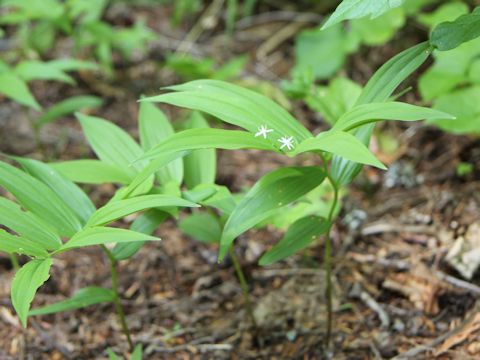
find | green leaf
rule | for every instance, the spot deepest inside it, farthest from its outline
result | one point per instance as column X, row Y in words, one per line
column 143, row 176
column 37, row 70
column 15, row 88
column 446, row 12
column 465, row 105
column 200, row 165
column 271, row 192
column 82, row 298
column 378, row 31
column 66, row 190
column 391, row 74
column 104, row 235
column 72, row 64
column 68, row 106
column 235, row 105
column 341, row 144
column 28, row 225
column 202, row 227
column 378, row 89
column 298, row 236
column 11, row 244
column 146, row 223
column 324, row 52
column 117, row 209
column 448, row 35
column 207, row 138
column 111, row 144
column 367, row 113
column 92, row 172
column 354, row 9
column 137, row 353
column 112, row 355
column 154, row 127
column 37, row 197
column 25, row 284
column 334, row 100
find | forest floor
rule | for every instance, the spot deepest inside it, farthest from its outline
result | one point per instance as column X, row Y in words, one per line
column 395, row 288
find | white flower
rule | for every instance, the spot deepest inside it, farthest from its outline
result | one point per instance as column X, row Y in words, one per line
column 263, row 131
column 286, row 142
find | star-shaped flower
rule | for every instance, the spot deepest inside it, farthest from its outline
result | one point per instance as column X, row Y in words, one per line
column 286, row 142
column 263, row 131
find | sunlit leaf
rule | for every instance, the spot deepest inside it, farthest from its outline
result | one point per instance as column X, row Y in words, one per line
column 15, row 88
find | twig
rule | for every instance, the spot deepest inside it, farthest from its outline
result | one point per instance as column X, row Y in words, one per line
column 414, row 352
column 474, row 289
column 199, row 26
column 368, row 300
column 50, row 340
column 269, row 273
column 202, row 348
column 274, row 16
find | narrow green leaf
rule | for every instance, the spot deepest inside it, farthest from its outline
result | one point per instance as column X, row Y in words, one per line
column 28, row 225
column 104, row 235
column 379, row 89
column 367, row 113
column 37, row 70
column 37, row 197
column 202, row 227
column 207, row 138
column 342, row 144
column 71, row 194
column 200, row 165
column 25, row 284
column 15, row 88
column 117, row 209
column 92, row 172
column 451, row 34
column 354, row 9
column 391, row 74
column 146, row 223
column 84, row 297
column 298, row 236
column 69, row 64
column 112, row 355
column 12, row 244
column 154, row 127
column 111, row 144
column 68, row 106
column 137, row 353
column 235, row 105
column 146, row 174
column 271, row 192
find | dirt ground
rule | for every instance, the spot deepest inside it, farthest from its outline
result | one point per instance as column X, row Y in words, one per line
column 395, row 290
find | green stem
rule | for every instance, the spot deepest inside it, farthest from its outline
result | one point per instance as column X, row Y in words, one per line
column 244, row 286
column 116, row 296
column 14, row 260
column 327, row 259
